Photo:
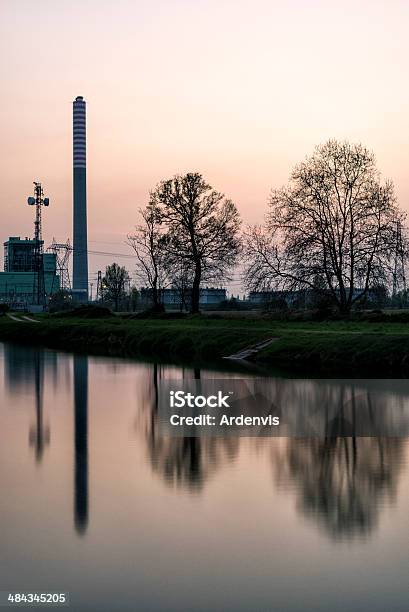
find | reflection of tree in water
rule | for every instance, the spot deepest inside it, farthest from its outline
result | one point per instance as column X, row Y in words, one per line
column 187, row 462
column 342, row 482
column 342, row 479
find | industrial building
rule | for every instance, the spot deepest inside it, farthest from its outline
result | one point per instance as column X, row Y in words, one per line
column 19, row 280
column 174, row 298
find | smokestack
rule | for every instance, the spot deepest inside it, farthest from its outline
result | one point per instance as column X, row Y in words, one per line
column 80, row 255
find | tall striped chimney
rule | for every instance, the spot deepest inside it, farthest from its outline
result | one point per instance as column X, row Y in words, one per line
column 80, row 246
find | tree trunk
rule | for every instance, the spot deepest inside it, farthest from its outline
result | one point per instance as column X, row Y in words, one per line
column 155, row 298
column 156, row 295
column 196, row 288
column 344, row 307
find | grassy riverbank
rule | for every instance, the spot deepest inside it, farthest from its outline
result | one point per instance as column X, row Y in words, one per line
column 333, row 347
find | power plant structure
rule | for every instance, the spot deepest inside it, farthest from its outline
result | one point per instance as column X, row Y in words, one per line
column 29, row 276
column 80, row 238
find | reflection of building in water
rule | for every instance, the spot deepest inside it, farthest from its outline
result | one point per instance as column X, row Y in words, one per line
column 25, row 368
column 81, row 443
column 21, row 365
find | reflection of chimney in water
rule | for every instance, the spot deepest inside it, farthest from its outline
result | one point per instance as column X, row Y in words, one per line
column 81, row 443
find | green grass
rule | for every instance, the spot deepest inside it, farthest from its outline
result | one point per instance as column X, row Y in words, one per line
column 360, row 348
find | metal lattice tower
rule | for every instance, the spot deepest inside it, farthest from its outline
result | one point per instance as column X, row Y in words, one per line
column 38, row 201
column 62, row 252
column 399, row 275
column 100, row 295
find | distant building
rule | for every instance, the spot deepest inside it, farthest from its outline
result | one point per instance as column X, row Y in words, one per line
column 291, row 299
column 210, row 296
column 307, row 298
column 174, row 298
column 19, row 279
column 260, row 297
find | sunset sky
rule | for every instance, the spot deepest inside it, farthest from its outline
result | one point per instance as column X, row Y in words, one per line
column 238, row 90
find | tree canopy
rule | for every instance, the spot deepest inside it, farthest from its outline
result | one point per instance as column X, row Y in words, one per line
column 114, row 283
column 335, row 220
column 195, row 233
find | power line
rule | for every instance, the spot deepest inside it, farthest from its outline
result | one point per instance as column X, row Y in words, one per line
column 104, row 253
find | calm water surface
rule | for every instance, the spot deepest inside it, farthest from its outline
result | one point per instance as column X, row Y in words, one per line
column 97, row 503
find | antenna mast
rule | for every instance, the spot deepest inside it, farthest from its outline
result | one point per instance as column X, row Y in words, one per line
column 38, row 201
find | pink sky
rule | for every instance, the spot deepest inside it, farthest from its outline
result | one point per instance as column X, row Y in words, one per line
column 239, row 90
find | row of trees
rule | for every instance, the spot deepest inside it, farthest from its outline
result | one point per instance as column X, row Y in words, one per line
column 335, row 228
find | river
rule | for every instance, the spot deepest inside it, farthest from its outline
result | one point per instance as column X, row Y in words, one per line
column 96, row 502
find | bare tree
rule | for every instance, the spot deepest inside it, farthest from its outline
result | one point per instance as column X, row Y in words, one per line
column 114, row 283
column 335, row 220
column 148, row 244
column 202, row 228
